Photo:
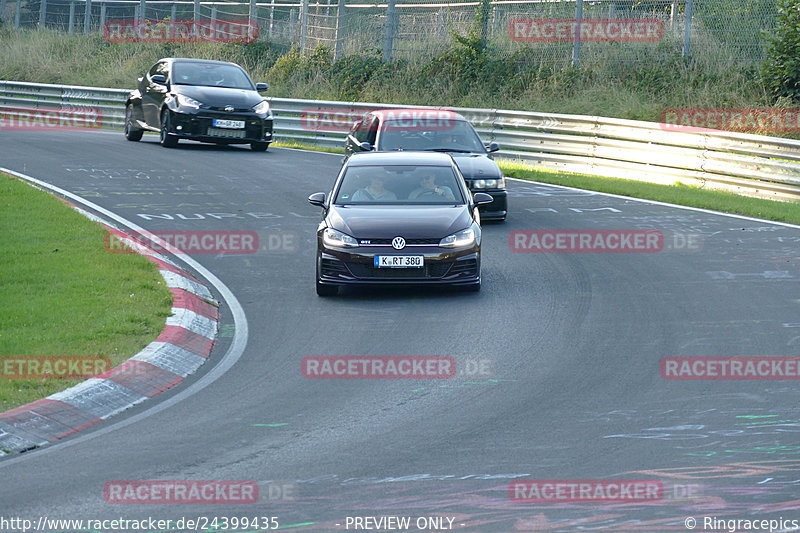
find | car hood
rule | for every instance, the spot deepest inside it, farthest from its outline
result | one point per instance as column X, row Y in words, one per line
column 389, row 221
column 476, row 166
column 220, row 96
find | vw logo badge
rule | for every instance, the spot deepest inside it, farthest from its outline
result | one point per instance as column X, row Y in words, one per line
column 228, row 108
column 398, row 243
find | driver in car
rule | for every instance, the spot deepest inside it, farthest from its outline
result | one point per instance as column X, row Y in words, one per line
column 374, row 192
column 428, row 189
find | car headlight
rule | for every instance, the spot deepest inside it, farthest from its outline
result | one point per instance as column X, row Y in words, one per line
column 461, row 239
column 498, row 183
column 337, row 239
column 262, row 108
column 185, row 101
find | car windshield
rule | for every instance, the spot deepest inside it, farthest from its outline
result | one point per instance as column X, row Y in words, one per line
column 454, row 135
column 399, row 184
column 211, row 75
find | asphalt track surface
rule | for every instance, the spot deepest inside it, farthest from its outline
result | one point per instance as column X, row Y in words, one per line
column 572, row 344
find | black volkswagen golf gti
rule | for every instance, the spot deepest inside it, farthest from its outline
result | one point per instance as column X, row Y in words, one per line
column 201, row 100
column 399, row 218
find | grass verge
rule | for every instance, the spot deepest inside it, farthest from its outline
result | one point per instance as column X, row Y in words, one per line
column 673, row 194
column 64, row 294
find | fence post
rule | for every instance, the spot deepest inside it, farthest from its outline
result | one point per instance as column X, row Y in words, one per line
column 388, row 42
column 16, row 15
column 672, row 10
column 576, row 46
column 173, row 12
column 42, row 13
column 337, row 50
column 196, row 15
column 103, row 16
column 142, row 9
column 213, row 15
column 87, row 17
column 271, row 18
column 2, row 9
column 303, row 25
column 71, row 23
column 253, row 13
column 292, row 25
column 687, row 29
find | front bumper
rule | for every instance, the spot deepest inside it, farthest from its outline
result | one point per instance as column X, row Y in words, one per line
column 461, row 267
column 200, row 127
column 496, row 210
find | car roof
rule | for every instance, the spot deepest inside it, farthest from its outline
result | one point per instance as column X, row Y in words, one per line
column 411, row 111
column 193, row 60
column 400, row 158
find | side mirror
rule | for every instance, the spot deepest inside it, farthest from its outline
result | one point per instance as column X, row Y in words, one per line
column 493, row 147
column 261, row 87
column 159, row 79
column 365, row 146
column 318, row 199
column 481, row 198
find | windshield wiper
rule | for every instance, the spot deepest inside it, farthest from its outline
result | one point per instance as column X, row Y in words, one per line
column 457, row 150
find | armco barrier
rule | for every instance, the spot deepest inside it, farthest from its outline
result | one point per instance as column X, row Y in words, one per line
column 746, row 164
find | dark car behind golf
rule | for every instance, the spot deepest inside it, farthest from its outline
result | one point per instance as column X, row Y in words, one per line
column 437, row 130
column 398, row 218
column 200, row 100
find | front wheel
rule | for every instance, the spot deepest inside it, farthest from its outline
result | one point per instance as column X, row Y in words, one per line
column 132, row 133
column 259, row 146
column 167, row 140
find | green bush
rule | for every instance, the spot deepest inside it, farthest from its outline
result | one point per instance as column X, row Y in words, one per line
column 781, row 71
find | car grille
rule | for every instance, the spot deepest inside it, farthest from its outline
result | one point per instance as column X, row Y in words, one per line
column 467, row 267
column 409, row 242
column 365, row 271
column 333, row 267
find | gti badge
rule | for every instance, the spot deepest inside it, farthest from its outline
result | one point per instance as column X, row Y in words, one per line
column 398, row 243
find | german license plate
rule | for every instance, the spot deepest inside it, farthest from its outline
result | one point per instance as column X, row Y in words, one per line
column 228, row 134
column 230, row 124
column 399, row 261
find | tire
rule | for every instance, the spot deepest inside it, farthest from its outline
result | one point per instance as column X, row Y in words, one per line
column 259, row 146
column 132, row 133
column 167, row 141
column 326, row 290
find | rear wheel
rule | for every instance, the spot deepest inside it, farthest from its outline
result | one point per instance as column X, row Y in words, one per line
column 132, row 133
column 259, row 146
column 167, row 140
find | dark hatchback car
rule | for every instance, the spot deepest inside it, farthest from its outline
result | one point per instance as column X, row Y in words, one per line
column 438, row 131
column 201, row 100
column 398, row 218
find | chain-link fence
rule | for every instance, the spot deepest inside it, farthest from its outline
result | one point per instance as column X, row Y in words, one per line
column 556, row 32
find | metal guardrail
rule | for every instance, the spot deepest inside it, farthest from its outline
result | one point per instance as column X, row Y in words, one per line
column 746, row 164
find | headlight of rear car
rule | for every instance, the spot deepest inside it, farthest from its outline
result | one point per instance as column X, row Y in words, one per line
column 262, row 108
column 185, row 101
column 337, row 239
column 499, row 183
column 461, row 239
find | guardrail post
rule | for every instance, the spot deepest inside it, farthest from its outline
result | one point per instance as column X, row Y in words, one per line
column 303, row 25
column 576, row 46
column 87, row 17
column 271, row 18
column 71, row 23
column 388, row 42
column 687, row 29
column 337, row 50
column 42, row 13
